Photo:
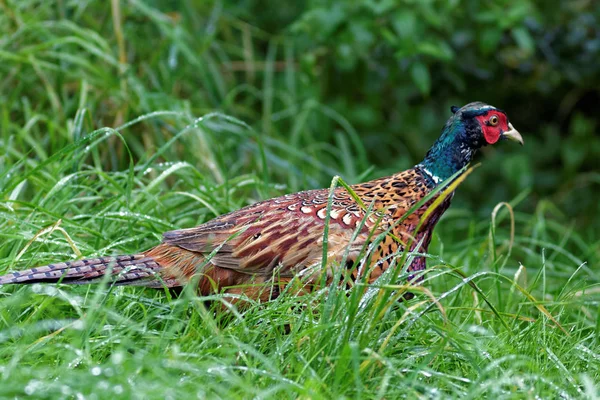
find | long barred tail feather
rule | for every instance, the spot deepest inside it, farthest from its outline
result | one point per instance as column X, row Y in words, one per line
column 137, row 270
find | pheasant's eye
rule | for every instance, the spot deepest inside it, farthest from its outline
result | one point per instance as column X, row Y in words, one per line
column 494, row 120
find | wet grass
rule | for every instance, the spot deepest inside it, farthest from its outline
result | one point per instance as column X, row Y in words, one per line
column 100, row 157
column 107, row 341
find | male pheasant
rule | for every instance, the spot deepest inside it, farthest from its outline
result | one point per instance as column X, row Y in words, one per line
column 255, row 250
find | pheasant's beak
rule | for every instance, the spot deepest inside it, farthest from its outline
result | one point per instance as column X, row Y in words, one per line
column 513, row 134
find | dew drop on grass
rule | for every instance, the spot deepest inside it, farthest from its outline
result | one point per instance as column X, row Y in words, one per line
column 96, row 371
column 118, row 389
column 479, row 330
column 173, row 57
column 41, row 289
column 78, row 325
column 117, row 358
column 33, row 386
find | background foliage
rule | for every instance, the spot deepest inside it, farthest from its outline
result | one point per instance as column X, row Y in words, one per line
column 129, row 118
column 380, row 74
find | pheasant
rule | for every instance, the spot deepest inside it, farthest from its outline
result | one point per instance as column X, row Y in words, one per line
column 258, row 249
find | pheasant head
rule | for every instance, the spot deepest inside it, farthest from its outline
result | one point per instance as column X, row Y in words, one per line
column 469, row 128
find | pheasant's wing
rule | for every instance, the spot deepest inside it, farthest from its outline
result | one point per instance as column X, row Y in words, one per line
column 286, row 231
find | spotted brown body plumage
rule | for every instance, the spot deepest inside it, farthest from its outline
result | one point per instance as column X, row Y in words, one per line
column 256, row 250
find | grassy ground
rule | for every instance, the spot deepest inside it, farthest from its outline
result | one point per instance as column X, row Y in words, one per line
column 71, row 187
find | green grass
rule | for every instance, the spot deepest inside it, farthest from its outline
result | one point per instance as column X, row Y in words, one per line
column 77, row 179
column 60, row 341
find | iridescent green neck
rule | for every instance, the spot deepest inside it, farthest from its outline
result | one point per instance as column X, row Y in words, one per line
column 450, row 153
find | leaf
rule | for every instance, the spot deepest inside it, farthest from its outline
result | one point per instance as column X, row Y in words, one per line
column 420, row 76
column 439, row 50
column 405, row 24
column 489, row 40
column 524, row 40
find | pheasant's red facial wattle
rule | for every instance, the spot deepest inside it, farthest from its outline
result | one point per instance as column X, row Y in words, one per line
column 493, row 124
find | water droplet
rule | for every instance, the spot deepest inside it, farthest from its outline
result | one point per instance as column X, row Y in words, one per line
column 78, row 325
column 96, row 371
column 33, row 386
column 117, row 358
column 172, row 57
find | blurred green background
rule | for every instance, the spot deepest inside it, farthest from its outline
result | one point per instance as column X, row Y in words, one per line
column 350, row 84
